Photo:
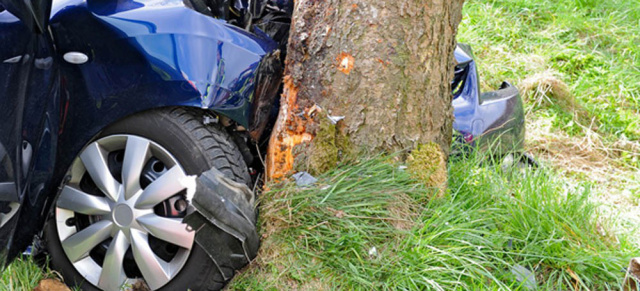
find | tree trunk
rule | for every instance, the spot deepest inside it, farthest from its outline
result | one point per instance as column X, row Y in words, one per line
column 386, row 66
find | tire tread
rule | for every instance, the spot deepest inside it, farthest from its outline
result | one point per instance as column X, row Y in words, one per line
column 219, row 150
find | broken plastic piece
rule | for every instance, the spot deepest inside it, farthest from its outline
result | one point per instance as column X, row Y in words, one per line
column 304, row 179
column 519, row 160
column 335, row 119
column 525, row 276
column 373, row 252
column 223, row 214
column 28, row 251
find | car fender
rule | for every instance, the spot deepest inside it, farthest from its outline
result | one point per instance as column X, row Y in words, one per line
column 114, row 59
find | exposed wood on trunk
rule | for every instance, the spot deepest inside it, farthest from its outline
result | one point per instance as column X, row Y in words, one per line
column 385, row 66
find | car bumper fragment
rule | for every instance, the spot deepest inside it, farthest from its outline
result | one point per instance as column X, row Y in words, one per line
column 219, row 209
column 502, row 116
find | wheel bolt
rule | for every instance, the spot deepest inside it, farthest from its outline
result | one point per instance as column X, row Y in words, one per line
column 181, row 205
column 71, row 221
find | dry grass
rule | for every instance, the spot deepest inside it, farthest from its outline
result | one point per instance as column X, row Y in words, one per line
column 546, row 89
column 403, row 212
column 590, row 157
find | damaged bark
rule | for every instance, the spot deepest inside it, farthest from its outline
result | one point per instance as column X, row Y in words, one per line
column 385, row 66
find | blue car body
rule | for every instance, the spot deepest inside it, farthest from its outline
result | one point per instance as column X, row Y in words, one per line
column 484, row 121
column 138, row 59
column 97, row 62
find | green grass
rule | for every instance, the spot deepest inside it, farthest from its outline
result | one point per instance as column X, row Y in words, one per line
column 491, row 220
column 593, row 46
column 590, row 47
column 22, row 274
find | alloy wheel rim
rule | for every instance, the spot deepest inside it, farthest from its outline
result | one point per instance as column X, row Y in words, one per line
column 122, row 216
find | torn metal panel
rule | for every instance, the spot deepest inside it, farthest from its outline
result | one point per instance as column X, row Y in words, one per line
column 223, row 211
column 269, row 75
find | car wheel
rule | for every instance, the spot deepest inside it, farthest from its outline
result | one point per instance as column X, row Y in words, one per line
column 117, row 220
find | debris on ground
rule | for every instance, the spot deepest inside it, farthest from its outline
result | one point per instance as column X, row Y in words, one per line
column 373, row 252
column 525, row 277
column 335, row 119
column 304, row 179
column 51, row 285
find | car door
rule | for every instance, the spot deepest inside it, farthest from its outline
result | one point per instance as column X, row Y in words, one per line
column 26, row 76
column 14, row 52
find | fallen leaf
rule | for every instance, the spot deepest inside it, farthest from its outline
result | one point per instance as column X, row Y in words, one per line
column 139, row 286
column 51, row 285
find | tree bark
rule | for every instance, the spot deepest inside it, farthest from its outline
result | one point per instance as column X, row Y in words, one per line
column 386, row 66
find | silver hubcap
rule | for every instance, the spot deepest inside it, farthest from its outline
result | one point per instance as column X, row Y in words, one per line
column 121, row 217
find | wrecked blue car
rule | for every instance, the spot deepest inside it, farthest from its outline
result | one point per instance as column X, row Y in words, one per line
column 108, row 110
column 488, row 121
column 128, row 131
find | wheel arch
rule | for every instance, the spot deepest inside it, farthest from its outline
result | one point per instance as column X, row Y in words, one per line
column 64, row 162
column 128, row 71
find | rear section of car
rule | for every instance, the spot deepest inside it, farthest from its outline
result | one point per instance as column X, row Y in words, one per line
column 484, row 121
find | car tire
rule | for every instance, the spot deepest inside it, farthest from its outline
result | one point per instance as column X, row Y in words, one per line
column 197, row 148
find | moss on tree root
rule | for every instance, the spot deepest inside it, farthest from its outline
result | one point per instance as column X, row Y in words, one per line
column 329, row 147
column 427, row 164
